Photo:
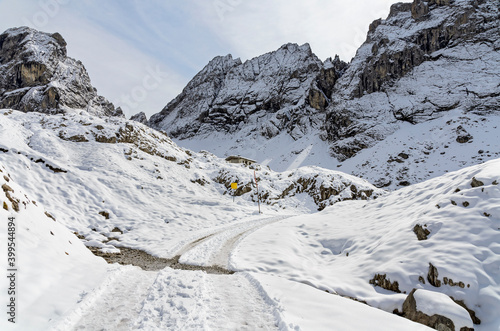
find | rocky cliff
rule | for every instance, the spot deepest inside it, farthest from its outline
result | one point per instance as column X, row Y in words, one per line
column 286, row 90
column 37, row 75
column 426, row 58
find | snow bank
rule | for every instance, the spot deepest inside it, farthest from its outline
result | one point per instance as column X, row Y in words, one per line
column 302, row 307
column 356, row 248
column 54, row 268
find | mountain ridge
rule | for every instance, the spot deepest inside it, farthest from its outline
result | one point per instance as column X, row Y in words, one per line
column 427, row 59
column 227, row 94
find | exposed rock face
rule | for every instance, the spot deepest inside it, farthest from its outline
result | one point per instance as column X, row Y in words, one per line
column 414, row 67
column 412, row 311
column 284, row 90
column 419, row 8
column 443, row 26
column 37, row 75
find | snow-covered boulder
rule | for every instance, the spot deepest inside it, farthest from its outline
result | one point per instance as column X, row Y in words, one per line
column 436, row 310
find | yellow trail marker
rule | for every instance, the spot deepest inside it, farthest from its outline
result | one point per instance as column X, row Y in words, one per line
column 234, row 186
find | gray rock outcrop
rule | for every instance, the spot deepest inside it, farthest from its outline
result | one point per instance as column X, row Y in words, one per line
column 37, row 75
column 140, row 117
column 458, row 318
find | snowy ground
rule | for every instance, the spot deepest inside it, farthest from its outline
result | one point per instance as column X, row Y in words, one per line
column 289, row 262
column 341, row 248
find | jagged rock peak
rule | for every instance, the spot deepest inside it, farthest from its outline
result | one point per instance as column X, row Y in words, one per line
column 26, row 41
column 282, row 85
column 37, row 75
column 140, row 117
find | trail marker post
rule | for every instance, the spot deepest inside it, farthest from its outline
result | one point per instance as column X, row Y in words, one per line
column 234, row 186
column 257, row 186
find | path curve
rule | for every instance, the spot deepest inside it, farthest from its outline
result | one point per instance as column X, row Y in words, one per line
column 215, row 249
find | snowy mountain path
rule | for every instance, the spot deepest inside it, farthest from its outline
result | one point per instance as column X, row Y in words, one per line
column 173, row 299
column 120, row 303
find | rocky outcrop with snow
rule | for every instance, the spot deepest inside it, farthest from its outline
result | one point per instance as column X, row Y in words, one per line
column 282, row 91
column 425, row 59
column 37, row 75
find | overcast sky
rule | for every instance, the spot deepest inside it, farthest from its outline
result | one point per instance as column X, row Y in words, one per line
column 141, row 54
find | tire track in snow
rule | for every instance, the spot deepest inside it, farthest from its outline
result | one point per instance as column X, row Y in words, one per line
column 215, row 250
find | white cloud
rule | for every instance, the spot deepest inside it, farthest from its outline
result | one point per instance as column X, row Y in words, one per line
column 330, row 27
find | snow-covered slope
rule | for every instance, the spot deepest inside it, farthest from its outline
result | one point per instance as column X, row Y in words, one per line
column 83, row 167
column 441, row 236
column 37, row 75
column 103, row 176
column 51, row 264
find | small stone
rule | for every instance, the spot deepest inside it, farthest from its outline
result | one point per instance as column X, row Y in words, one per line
column 465, row 203
column 115, row 229
column 453, row 203
column 476, row 183
column 421, row 232
column 403, row 156
column 432, row 276
column 7, row 188
column 464, row 139
column 105, row 214
column 50, row 216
